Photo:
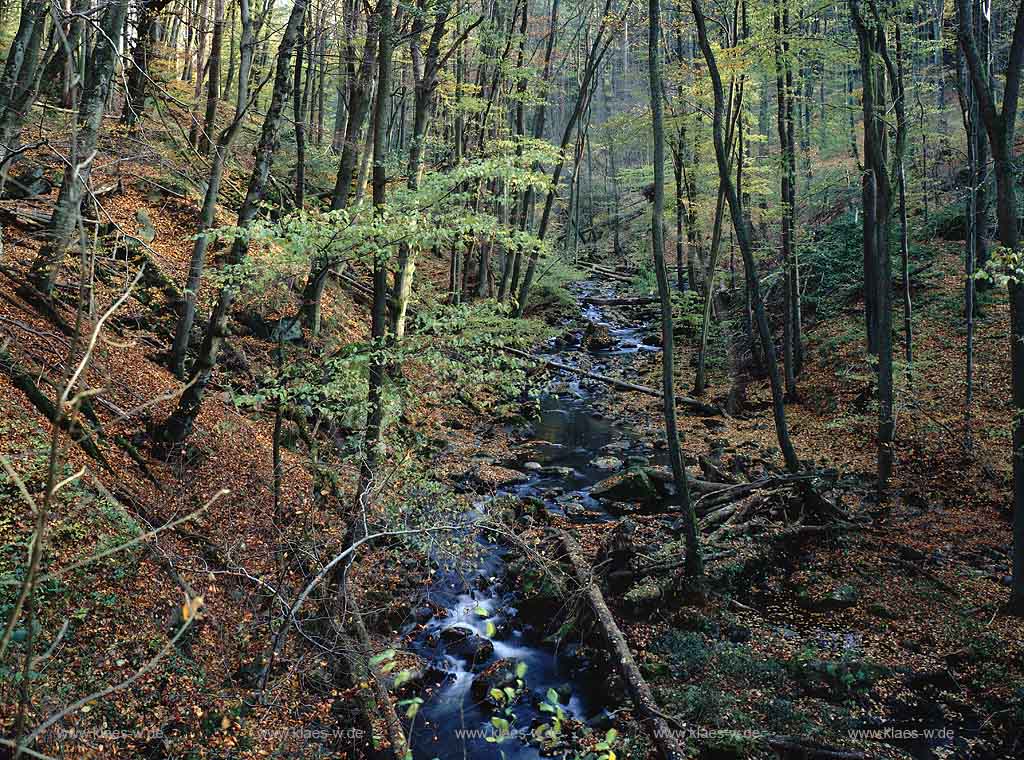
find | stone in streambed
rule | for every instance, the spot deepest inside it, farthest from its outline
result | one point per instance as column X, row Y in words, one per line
column 642, row 599
column 813, row 597
column 608, row 463
column 498, row 675
column 464, row 643
column 597, row 338
column 28, row 184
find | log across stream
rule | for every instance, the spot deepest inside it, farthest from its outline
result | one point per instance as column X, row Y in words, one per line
column 471, row 621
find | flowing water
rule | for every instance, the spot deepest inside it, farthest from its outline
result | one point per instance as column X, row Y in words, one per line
column 569, row 435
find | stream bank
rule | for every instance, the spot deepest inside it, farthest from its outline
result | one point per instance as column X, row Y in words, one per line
column 795, row 640
column 478, row 631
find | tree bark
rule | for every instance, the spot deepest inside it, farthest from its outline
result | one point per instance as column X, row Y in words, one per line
column 639, row 692
column 594, row 60
column 179, row 424
column 743, row 239
column 226, row 138
column 213, row 79
column 999, row 125
column 76, row 177
column 694, row 564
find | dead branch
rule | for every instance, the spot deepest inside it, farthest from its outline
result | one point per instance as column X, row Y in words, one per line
column 639, row 691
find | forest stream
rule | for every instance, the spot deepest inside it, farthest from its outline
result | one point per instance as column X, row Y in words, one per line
column 469, row 621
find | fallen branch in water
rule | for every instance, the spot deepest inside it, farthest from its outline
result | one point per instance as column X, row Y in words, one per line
column 631, row 301
column 690, row 403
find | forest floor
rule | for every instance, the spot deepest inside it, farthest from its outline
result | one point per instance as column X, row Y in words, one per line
column 892, row 623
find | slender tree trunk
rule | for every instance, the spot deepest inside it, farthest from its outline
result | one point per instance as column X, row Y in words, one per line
column 181, row 421
column 359, row 104
column 299, row 113
column 999, row 125
column 222, row 147
column 378, row 328
column 19, row 85
column 783, row 86
column 213, row 79
column 594, row 59
column 745, row 244
column 423, row 112
column 66, row 213
column 694, row 564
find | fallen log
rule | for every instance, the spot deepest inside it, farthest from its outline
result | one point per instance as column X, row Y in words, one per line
column 27, row 218
column 610, row 275
column 690, row 403
column 664, row 475
column 640, row 693
column 630, row 301
column 383, row 706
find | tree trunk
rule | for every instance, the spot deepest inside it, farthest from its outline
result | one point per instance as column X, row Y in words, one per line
column 213, row 79
column 19, row 85
column 180, row 423
column 299, row 113
column 745, row 244
column 187, row 315
column 76, row 178
column 999, row 125
column 358, row 106
column 378, row 327
column 423, row 112
column 694, row 565
column 594, row 59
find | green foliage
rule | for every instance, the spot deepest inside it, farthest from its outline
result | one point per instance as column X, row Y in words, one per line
column 785, row 717
column 833, row 265
column 705, row 705
column 848, row 676
column 687, row 652
column 334, row 388
column 440, row 213
column 550, row 292
column 738, row 661
column 464, row 346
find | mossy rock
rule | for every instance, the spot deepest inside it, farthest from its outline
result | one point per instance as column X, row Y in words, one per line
column 816, row 593
column 643, row 598
column 836, row 679
column 633, row 484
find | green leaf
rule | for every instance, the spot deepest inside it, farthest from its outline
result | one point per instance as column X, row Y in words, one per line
column 377, row 659
column 402, row 677
column 552, row 696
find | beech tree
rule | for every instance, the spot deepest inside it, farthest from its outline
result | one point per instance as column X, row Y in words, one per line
column 66, row 213
column 179, row 424
column 999, row 122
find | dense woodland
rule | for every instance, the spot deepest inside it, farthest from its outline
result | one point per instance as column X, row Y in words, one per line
column 508, row 379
